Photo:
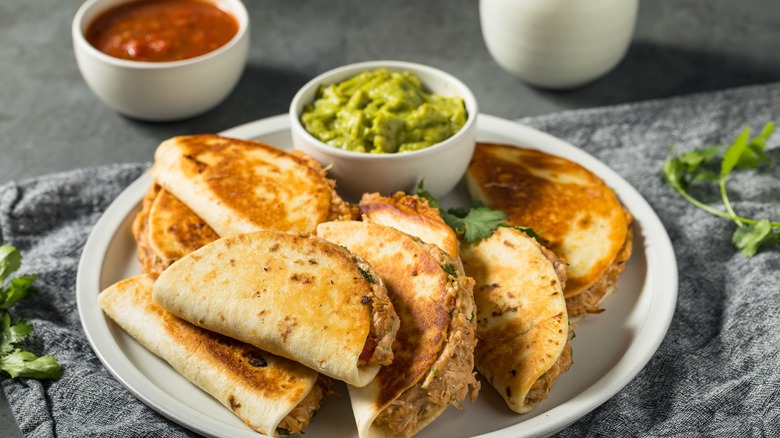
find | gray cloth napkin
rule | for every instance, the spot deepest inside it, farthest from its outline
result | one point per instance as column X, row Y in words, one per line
column 716, row 373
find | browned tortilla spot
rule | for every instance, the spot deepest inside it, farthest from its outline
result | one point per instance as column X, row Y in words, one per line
column 226, row 168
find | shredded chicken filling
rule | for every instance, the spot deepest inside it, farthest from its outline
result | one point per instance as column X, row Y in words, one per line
column 302, row 414
column 588, row 301
column 541, row 388
column 378, row 348
column 451, row 377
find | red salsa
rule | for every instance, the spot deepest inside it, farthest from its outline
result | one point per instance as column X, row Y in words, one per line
column 161, row 30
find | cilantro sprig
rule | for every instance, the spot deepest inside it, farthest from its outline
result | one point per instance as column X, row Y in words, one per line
column 706, row 164
column 475, row 223
column 13, row 360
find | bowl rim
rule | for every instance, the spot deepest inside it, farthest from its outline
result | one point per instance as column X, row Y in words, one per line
column 236, row 8
column 323, row 79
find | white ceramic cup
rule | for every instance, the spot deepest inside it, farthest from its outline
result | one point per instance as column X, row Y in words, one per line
column 558, row 44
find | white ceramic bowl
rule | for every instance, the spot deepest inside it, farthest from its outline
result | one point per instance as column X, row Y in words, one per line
column 161, row 91
column 558, row 44
column 441, row 166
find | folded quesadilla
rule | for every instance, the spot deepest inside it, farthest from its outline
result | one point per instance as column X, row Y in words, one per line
column 580, row 217
column 273, row 395
column 166, row 230
column 299, row 297
column 433, row 364
column 239, row 186
column 522, row 322
column 412, row 215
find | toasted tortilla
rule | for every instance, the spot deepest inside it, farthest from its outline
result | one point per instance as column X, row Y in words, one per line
column 522, row 322
column 412, row 215
column 433, row 353
column 280, row 292
column 270, row 394
column 239, row 186
column 150, row 261
column 166, row 230
column 580, row 217
column 174, row 230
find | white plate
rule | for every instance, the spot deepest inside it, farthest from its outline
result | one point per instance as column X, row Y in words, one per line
column 609, row 350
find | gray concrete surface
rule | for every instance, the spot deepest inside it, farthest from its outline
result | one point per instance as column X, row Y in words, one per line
column 50, row 121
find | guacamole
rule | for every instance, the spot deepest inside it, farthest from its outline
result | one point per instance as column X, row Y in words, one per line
column 382, row 111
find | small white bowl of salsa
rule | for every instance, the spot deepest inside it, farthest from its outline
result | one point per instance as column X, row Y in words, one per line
column 161, row 60
column 387, row 126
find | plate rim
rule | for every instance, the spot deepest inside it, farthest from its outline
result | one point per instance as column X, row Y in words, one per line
column 658, row 250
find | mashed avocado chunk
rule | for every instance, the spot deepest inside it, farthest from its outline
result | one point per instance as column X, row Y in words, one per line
column 382, row 111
